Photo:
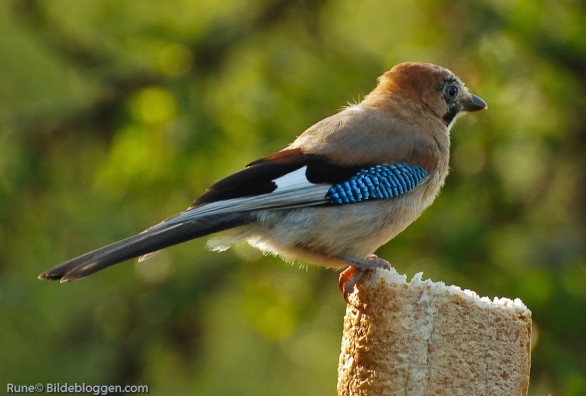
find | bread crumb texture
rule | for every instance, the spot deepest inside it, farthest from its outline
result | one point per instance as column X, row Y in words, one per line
column 425, row 338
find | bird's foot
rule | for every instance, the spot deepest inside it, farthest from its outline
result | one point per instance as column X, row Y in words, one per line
column 358, row 267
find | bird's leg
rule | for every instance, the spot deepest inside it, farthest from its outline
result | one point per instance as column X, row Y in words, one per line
column 358, row 267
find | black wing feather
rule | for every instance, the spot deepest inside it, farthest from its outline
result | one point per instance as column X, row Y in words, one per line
column 258, row 176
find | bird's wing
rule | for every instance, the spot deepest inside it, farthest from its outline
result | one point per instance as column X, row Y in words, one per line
column 292, row 179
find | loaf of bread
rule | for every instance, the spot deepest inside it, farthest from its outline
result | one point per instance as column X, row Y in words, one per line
column 426, row 338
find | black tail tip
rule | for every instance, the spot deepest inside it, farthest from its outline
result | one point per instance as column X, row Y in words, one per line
column 53, row 277
column 47, row 276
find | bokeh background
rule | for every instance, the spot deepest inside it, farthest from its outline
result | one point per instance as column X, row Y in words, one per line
column 115, row 114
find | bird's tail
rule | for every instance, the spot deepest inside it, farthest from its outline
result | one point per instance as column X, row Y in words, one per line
column 163, row 235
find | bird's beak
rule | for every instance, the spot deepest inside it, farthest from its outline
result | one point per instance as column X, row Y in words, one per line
column 473, row 103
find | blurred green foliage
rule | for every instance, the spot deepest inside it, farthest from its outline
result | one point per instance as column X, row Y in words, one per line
column 115, row 114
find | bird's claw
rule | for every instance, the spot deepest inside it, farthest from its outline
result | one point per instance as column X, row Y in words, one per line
column 358, row 267
column 348, row 279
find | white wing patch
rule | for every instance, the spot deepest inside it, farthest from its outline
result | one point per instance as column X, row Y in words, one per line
column 293, row 190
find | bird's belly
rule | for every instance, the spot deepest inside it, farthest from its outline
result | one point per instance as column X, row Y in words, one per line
column 320, row 234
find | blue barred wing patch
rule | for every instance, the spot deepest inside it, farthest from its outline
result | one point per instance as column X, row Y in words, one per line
column 377, row 182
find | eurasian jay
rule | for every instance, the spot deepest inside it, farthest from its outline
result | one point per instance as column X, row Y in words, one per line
column 346, row 186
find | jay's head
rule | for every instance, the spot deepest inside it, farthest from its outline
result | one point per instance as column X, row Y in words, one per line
column 429, row 88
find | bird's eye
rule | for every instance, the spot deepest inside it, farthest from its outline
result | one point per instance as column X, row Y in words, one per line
column 451, row 91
